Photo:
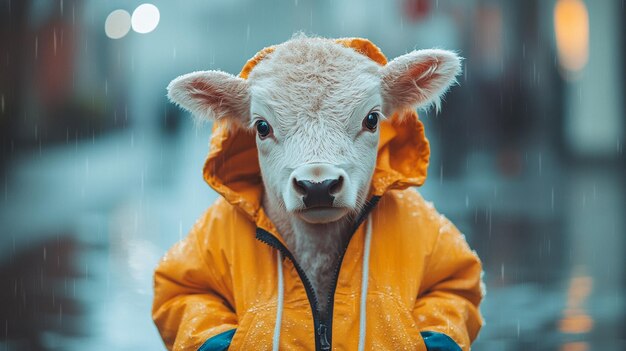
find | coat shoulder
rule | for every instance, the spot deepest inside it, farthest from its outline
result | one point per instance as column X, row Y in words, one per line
column 411, row 206
column 223, row 223
column 415, row 217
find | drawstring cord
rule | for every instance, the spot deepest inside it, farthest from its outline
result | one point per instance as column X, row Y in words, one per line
column 364, row 283
column 364, row 280
column 279, row 303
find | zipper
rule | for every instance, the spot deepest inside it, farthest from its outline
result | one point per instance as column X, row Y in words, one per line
column 269, row 239
column 322, row 331
column 369, row 206
column 322, row 326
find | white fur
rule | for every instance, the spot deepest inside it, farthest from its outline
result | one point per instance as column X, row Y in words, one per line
column 315, row 94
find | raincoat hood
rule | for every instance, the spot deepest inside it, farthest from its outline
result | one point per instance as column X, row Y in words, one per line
column 232, row 166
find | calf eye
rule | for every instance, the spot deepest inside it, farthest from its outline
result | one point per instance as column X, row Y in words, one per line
column 263, row 128
column 371, row 121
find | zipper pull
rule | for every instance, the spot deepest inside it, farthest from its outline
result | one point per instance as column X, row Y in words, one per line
column 322, row 332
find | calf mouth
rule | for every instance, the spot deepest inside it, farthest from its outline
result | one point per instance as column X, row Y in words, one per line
column 322, row 214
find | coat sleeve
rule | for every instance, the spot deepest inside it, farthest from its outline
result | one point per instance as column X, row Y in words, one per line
column 191, row 306
column 446, row 309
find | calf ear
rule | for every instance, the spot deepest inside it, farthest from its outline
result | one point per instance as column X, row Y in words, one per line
column 418, row 79
column 212, row 95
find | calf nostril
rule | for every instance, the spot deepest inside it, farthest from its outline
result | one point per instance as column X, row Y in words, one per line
column 335, row 185
column 299, row 186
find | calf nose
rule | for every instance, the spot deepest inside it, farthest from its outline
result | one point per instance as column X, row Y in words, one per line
column 318, row 194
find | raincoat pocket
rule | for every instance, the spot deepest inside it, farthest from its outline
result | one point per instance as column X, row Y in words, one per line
column 242, row 332
column 256, row 331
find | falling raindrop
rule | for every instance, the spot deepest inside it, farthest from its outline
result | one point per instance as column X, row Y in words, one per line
column 54, row 41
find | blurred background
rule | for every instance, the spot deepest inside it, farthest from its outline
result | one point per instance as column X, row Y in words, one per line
column 100, row 175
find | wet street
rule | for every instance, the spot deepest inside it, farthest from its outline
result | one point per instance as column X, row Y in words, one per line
column 84, row 225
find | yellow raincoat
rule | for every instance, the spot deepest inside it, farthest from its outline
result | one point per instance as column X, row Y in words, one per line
column 218, row 288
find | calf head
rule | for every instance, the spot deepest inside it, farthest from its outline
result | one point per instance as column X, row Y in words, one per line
column 316, row 107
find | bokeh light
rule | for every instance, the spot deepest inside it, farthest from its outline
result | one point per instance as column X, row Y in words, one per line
column 145, row 18
column 571, row 26
column 117, row 24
